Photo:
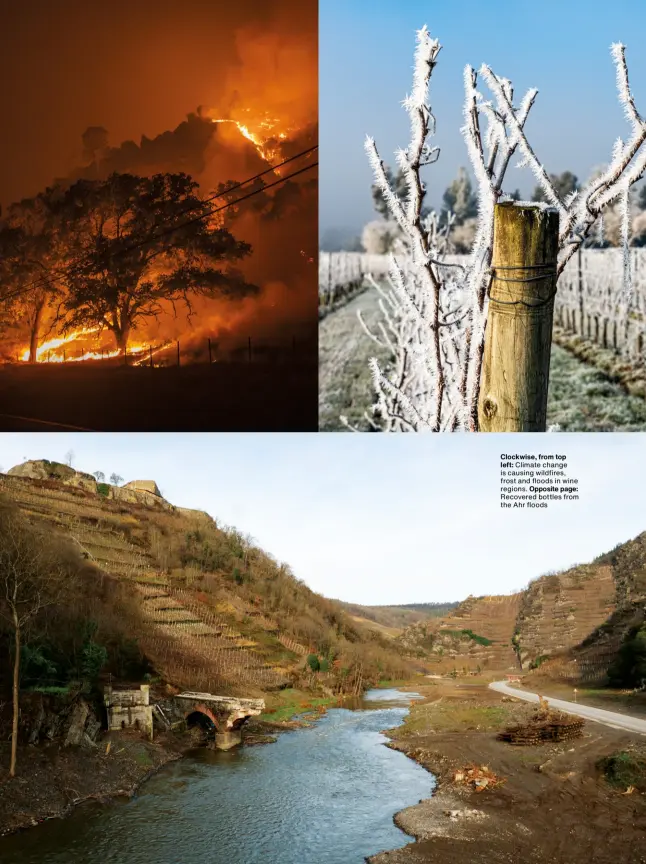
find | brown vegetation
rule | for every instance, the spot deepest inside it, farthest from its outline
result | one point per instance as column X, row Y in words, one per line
column 169, row 591
column 571, row 624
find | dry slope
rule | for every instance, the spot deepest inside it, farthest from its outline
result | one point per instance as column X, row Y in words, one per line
column 572, row 624
column 213, row 612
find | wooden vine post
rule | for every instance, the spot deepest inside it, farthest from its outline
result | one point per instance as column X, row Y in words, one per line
column 518, row 339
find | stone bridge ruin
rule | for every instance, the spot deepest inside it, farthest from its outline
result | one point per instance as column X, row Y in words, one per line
column 131, row 709
column 226, row 714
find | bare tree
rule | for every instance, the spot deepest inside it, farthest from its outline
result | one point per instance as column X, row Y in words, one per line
column 116, row 479
column 33, row 576
column 100, row 476
column 435, row 309
column 69, row 458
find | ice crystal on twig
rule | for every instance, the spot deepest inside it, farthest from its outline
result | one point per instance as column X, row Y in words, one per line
column 434, row 310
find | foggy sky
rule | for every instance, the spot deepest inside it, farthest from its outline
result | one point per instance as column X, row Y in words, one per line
column 139, row 68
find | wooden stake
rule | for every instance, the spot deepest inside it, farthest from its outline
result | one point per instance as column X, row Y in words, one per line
column 515, row 373
column 209, row 340
column 178, row 352
column 250, row 349
column 150, row 351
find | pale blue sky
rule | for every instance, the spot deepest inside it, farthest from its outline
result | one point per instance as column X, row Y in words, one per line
column 562, row 48
column 379, row 518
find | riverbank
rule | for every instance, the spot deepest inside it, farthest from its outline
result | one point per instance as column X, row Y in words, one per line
column 323, row 794
column 52, row 780
column 546, row 804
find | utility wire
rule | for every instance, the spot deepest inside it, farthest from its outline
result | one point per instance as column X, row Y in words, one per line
column 43, row 280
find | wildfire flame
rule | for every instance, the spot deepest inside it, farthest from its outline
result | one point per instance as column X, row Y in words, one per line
column 263, row 133
column 259, row 133
column 56, row 346
column 55, row 350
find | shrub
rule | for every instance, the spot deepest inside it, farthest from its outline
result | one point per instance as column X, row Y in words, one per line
column 624, row 769
column 103, row 489
column 313, row 663
column 481, row 640
column 93, row 659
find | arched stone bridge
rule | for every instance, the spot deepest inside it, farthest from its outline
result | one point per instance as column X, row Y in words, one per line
column 227, row 714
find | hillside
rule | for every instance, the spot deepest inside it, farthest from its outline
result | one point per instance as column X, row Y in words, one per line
column 475, row 635
column 570, row 624
column 202, row 606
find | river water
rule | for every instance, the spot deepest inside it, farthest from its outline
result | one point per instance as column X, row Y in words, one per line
column 323, row 795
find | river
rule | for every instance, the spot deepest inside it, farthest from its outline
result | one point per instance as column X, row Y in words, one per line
column 323, row 795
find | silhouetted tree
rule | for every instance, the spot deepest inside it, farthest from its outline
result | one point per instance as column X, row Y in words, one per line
column 128, row 265
column 31, row 251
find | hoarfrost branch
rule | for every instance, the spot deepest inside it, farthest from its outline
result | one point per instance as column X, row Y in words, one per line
column 435, row 309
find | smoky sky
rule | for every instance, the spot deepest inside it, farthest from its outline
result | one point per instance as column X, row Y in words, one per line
column 139, row 68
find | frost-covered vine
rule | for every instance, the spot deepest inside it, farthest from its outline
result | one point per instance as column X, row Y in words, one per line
column 434, row 309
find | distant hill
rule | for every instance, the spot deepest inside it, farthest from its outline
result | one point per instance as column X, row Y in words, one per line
column 395, row 618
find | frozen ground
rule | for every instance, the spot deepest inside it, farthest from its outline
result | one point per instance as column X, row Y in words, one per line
column 581, row 398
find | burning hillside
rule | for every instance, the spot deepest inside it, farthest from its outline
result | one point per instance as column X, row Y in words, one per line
column 203, row 235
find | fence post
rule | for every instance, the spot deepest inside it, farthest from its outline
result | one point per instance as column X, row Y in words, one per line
column 250, row 349
column 209, row 341
column 150, row 352
column 178, row 352
column 515, row 373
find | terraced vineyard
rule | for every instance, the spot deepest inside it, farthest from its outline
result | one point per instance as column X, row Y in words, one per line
column 476, row 635
column 561, row 610
column 204, row 648
column 570, row 624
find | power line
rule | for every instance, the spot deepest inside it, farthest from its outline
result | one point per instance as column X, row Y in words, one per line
column 43, row 280
column 235, row 186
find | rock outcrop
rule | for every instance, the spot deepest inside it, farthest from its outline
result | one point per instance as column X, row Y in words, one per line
column 71, row 720
column 43, row 469
column 143, row 486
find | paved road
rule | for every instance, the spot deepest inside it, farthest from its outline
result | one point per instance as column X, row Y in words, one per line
column 598, row 715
